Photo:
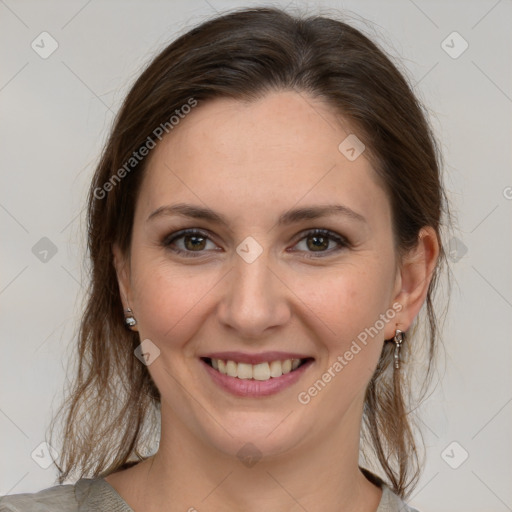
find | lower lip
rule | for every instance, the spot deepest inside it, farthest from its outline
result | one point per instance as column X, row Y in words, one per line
column 256, row 388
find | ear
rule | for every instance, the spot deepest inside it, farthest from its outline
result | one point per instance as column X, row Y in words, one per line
column 413, row 278
column 122, row 266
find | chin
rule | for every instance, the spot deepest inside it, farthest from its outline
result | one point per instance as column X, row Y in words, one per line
column 256, row 435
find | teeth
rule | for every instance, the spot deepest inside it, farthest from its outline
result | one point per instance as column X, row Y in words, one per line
column 261, row 371
column 244, row 371
column 232, row 368
column 276, row 369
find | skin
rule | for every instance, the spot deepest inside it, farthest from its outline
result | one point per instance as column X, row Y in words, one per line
column 251, row 162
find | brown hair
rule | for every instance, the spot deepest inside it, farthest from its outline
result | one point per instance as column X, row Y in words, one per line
column 112, row 409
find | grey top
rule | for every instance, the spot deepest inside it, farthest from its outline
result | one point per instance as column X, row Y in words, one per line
column 97, row 495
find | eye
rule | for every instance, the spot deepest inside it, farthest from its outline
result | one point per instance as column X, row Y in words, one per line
column 193, row 242
column 187, row 242
column 321, row 241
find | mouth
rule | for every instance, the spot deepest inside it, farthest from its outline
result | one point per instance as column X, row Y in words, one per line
column 262, row 371
column 255, row 375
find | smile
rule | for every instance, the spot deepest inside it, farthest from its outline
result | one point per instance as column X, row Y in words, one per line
column 262, row 371
column 255, row 375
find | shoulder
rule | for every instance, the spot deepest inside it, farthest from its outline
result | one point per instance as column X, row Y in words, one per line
column 83, row 496
column 389, row 502
column 60, row 497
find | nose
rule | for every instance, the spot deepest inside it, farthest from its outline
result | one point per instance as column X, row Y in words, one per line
column 255, row 300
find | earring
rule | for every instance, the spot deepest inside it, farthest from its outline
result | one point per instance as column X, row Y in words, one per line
column 398, row 339
column 129, row 319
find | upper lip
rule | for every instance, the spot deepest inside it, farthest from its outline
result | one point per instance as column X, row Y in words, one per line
column 263, row 357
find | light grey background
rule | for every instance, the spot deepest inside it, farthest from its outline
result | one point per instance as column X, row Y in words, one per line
column 55, row 116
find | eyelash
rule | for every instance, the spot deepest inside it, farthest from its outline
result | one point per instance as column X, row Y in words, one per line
column 342, row 241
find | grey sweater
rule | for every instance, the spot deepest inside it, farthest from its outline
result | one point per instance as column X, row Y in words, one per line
column 97, row 495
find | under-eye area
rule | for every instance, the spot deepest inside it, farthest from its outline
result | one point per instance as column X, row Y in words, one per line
column 261, row 371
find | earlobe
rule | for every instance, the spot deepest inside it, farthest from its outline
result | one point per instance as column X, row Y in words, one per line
column 416, row 273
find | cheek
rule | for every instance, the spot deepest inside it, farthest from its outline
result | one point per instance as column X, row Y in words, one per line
column 349, row 301
column 341, row 303
column 350, row 331
column 169, row 302
column 351, row 304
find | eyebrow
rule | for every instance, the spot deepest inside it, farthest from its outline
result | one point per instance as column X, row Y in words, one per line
column 287, row 218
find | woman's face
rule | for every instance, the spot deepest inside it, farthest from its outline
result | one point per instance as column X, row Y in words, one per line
column 260, row 286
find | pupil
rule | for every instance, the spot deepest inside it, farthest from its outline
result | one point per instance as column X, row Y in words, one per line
column 195, row 244
column 315, row 244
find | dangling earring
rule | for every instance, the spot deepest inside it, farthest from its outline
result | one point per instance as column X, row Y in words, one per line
column 398, row 339
column 129, row 319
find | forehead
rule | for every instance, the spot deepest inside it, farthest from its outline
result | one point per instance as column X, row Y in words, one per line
column 245, row 157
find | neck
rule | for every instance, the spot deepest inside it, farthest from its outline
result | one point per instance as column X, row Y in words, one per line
column 321, row 474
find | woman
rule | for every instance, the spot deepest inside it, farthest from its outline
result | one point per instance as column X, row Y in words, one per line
column 264, row 229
